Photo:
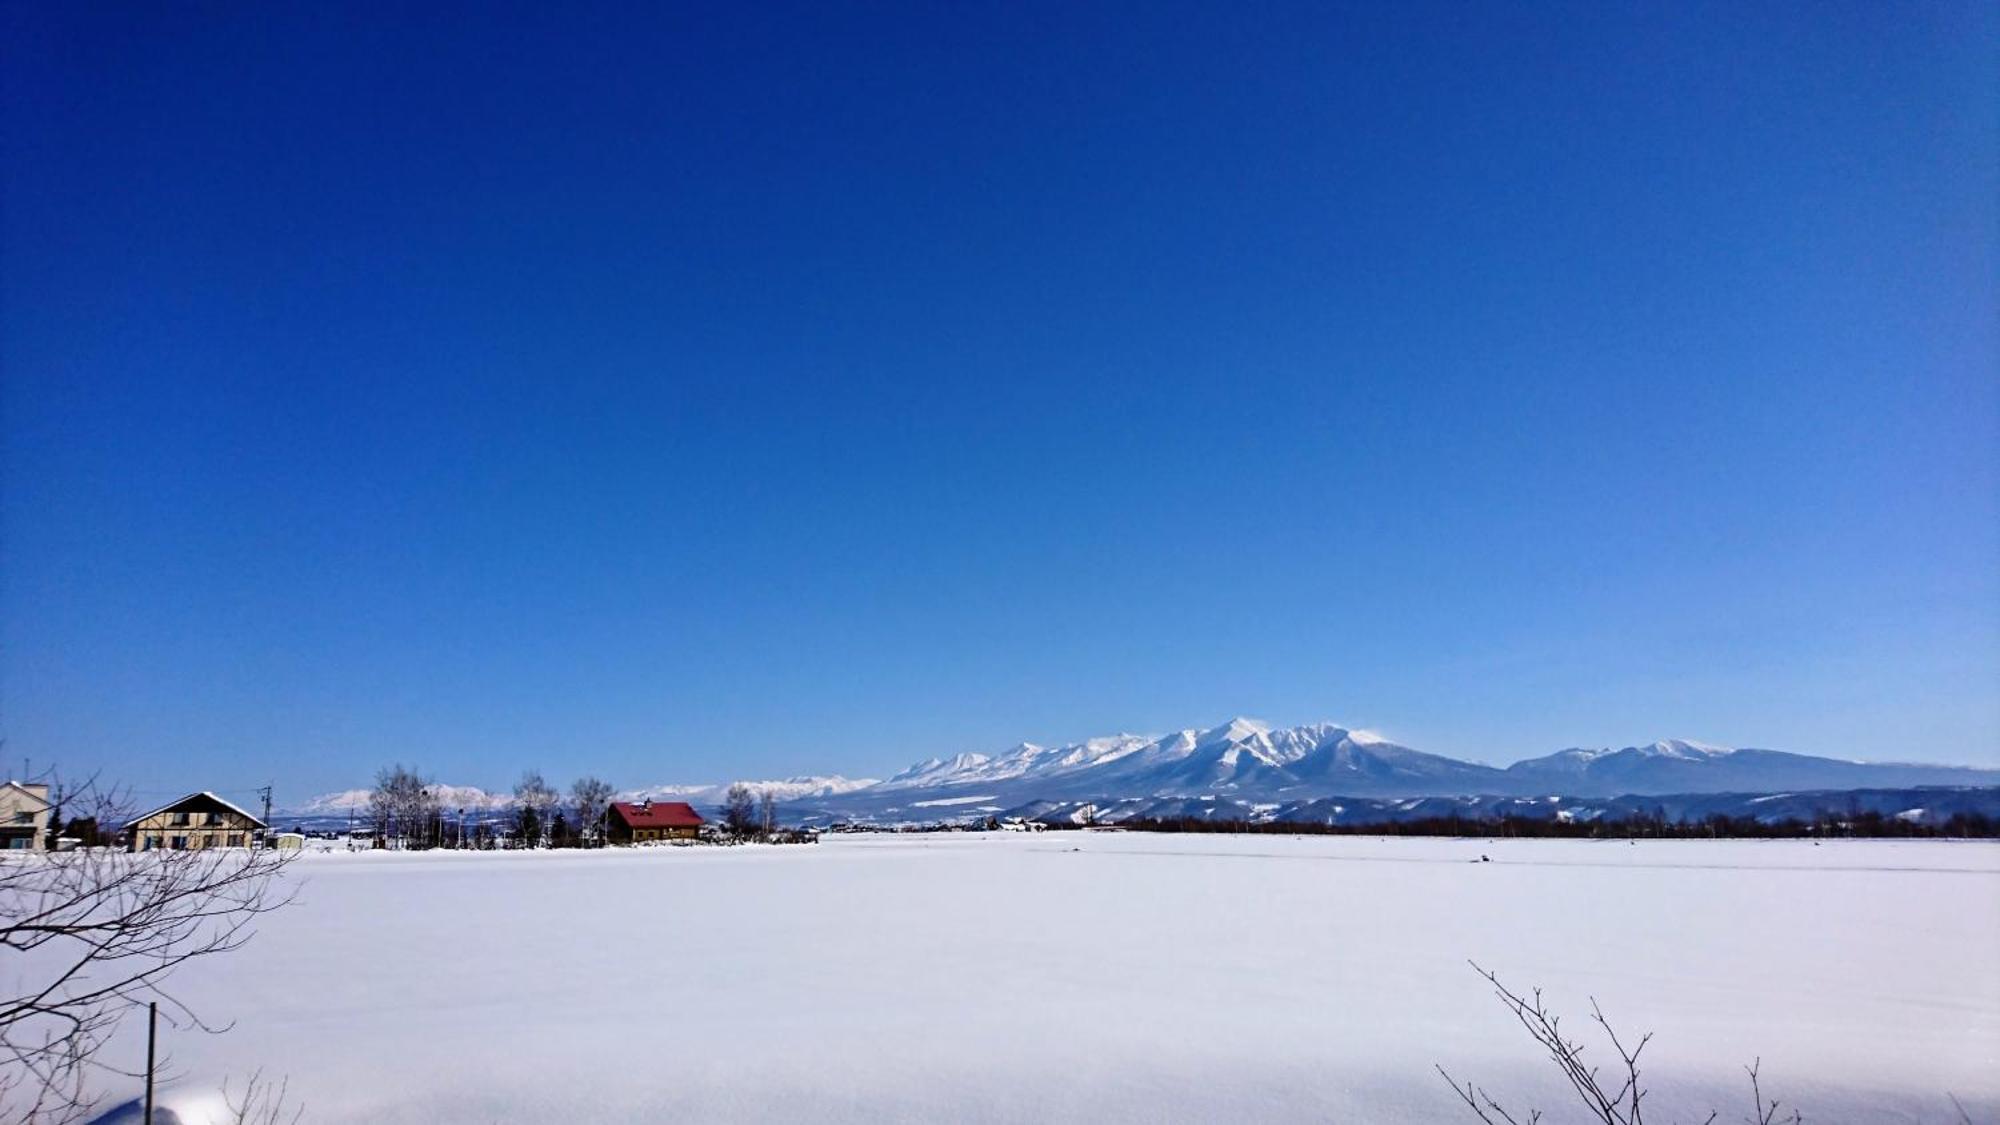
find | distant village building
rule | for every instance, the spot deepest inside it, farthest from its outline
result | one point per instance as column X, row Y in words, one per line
column 24, row 816
column 648, row 820
column 198, row 820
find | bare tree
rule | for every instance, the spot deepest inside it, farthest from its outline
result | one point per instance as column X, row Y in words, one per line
column 1618, row 1099
column 591, row 798
column 88, row 808
column 106, row 929
column 767, row 812
column 403, row 807
column 739, row 810
column 534, row 800
column 482, row 832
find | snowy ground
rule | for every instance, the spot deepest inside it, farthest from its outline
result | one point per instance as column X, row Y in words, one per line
column 1072, row 976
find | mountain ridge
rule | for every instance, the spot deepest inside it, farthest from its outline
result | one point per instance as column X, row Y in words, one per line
column 1245, row 759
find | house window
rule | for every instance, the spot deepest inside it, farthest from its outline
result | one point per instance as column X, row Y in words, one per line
column 180, row 820
column 151, row 843
column 178, row 843
column 19, row 843
column 214, row 819
column 23, row 816
column 236, row 839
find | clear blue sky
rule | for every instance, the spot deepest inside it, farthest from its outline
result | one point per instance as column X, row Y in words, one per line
column 700, row 393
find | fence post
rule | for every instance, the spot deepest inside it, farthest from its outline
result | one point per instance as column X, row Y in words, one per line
column 152, row 1036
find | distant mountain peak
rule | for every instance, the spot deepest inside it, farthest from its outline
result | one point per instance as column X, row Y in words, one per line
column 1686, row 748
column 1239, row 729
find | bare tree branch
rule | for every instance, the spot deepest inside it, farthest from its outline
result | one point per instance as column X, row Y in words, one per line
column 97, row 932
column 1616, row 1100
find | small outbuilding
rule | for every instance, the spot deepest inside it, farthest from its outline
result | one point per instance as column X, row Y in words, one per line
column 196, row 821
column 629, row 823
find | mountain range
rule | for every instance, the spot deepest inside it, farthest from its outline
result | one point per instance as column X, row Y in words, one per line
column 1252, row 764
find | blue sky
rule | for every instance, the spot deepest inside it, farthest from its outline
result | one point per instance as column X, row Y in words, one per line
column 687, row 393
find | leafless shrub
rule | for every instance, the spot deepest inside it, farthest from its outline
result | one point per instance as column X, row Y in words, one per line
column 1767, row 1112
column 1615, row 1099
column 95, row 933
column 261, row 1103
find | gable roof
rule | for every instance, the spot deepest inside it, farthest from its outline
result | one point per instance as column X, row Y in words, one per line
column 33, row 792
column 171, row 805
column 657, row 814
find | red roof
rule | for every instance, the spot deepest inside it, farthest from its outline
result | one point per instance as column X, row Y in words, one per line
column 657, row 814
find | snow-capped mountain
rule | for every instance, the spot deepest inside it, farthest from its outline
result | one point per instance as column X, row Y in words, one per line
column 1676, row 766
column 1242, row 753
column 356, row 800
column 1246, row 762
column 786, row 789
column 1023, row 760
column 1249, row 762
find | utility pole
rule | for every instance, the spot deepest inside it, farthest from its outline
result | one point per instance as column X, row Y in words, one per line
column 152, row 1036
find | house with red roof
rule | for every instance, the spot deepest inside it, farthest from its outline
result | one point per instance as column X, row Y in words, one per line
column 648, row 820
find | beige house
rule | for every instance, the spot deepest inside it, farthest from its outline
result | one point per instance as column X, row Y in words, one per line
column 198, row 820
column 24, row 816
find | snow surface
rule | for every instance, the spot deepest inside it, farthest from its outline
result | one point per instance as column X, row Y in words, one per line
column 1074, row 976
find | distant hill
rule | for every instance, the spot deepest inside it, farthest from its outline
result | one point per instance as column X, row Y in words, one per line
column 1676, row 766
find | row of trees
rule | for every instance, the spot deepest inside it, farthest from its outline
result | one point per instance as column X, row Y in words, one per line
column 408, row 811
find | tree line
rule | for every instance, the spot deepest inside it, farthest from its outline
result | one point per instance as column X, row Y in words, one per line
column 407, row 811
column 1851, row 825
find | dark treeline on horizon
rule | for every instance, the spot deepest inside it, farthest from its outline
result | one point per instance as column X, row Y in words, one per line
column 1867, row 825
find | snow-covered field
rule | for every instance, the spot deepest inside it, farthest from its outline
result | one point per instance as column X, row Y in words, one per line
column 1074, row 976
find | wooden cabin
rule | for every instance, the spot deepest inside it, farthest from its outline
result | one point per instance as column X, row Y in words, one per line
column 649, row 820
column 196, row 821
